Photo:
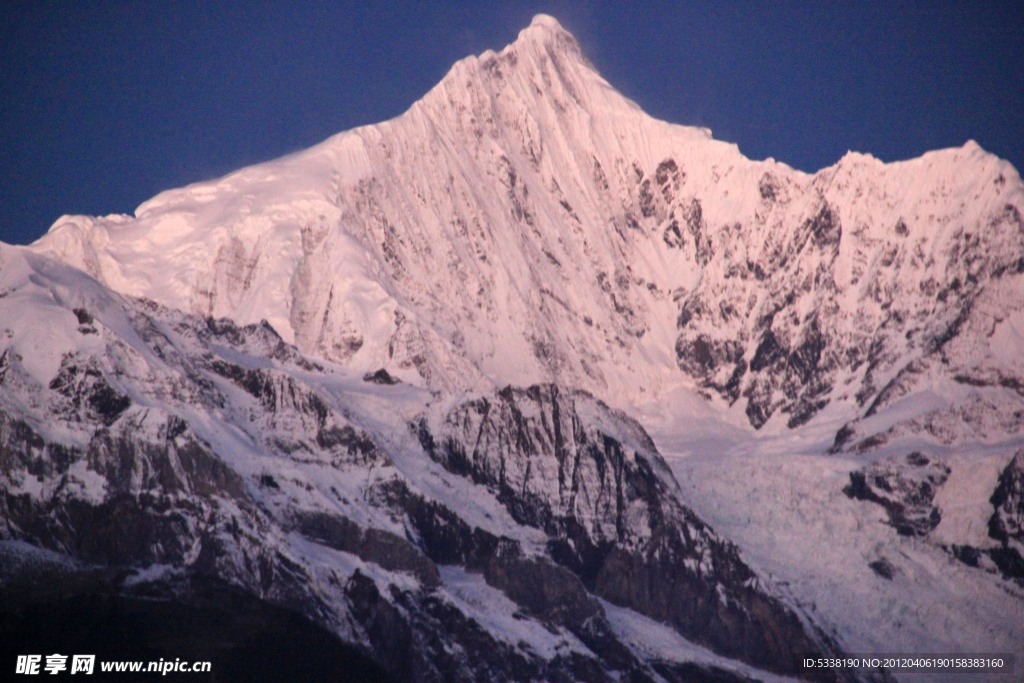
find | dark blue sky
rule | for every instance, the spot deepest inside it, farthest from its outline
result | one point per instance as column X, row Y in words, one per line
column 104, row 104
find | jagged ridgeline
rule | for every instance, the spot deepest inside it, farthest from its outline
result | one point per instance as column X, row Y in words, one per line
column 386, row 384
column 524, row 222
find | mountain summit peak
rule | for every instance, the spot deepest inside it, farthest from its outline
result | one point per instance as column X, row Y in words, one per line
column 546, row 21
column 546, row 30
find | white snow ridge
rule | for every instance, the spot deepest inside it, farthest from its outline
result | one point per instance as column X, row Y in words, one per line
column 525, row 384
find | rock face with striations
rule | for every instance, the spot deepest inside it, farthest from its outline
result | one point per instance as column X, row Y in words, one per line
column 593, row 481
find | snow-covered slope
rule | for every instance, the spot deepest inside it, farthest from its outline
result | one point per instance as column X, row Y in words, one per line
column 524, row 222
column 132, row 435
column 520, row 250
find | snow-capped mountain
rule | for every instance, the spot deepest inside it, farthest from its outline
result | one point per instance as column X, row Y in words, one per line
column 524, row 222
column 393, row 382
